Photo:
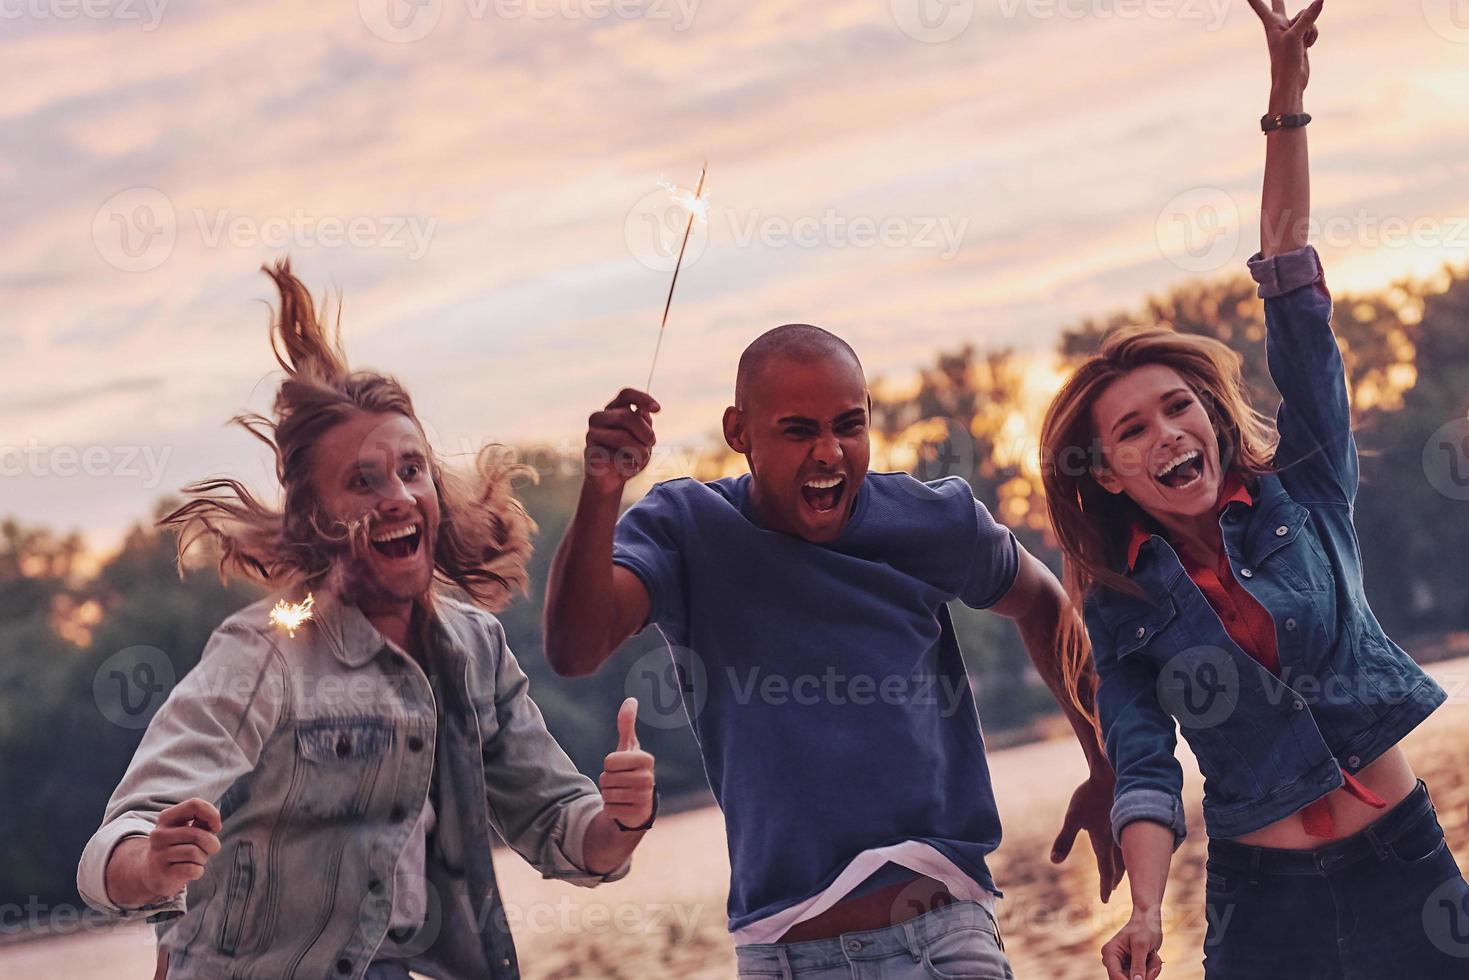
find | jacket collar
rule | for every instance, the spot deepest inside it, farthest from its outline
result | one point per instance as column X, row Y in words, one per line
column 348, row 634
column 1234, row 489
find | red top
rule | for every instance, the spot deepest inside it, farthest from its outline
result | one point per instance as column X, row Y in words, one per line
column 1249, row 624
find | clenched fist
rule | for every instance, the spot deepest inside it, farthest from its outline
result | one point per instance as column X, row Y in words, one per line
column 151, row 869
column 620, row 440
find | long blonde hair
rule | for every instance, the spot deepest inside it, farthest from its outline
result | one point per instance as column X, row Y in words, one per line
column 483, row 540
column 1091, row 525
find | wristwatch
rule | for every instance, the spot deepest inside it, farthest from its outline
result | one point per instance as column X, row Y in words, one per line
column 646, row 824
column 1283, row 120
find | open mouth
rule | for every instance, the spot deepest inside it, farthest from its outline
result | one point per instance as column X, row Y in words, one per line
column 1182, row 471
column 824, row 494
column 399, row 543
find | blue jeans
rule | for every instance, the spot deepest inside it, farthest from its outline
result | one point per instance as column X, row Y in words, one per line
column 1388, row 903
column 958, row 940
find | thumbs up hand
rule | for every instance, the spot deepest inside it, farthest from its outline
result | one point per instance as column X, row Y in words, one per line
column 627, row 774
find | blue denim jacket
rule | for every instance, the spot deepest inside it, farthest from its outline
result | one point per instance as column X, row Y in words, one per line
column 1266, row 745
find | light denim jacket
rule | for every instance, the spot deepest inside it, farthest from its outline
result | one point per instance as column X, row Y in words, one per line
column 1266, row 745
column 319, row 750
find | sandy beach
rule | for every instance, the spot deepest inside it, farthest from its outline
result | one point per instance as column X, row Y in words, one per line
column 667, row 919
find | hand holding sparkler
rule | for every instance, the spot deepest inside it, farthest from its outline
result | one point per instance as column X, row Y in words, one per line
column 620, row 440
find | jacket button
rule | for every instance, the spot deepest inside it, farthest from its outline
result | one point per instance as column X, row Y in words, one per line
column 1300, row 705
column 374, row 884
column 1141, row 632
column 1290, row 624
column 1282, row 531
column 1247, row 573
column 415, row 744
column 398, row 814
column 344, row 966
column 1354, row 761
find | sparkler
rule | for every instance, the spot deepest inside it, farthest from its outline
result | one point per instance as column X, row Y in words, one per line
column 697, row 207
column 290, row 616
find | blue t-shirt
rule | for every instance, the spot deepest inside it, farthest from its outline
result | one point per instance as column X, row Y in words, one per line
column 824, row 681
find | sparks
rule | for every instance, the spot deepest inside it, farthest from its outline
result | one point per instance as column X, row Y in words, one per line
column 290, row 616
column 698, row 208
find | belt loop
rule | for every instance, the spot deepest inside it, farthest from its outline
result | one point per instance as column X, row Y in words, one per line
column 910, row 939
column 785, row 964
column 1379, row 847
column 1254, row 866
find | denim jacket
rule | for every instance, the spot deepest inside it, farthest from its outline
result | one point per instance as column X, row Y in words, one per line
column 1266, row 745
column 319, row 751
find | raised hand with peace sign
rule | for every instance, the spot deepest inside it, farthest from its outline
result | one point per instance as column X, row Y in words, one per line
column 1289, row 38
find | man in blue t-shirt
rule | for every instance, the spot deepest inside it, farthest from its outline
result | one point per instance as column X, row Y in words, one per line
column 805, row 606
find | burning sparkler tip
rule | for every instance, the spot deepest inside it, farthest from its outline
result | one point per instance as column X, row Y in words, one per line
column 291, row 616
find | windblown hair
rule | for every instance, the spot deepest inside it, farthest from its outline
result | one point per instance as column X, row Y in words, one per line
column 1091, row 524
column 483, row 540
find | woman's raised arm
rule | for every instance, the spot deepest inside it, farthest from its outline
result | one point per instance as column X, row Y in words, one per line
column 1285, row 203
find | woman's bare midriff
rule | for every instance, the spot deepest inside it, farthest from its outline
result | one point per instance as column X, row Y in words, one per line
column 1389, row 776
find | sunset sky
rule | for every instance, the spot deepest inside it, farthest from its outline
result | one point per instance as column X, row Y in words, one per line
column 479, row 177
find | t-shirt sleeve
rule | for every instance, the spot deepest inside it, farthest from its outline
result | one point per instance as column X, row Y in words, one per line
column 648, row 541
column 994, row 560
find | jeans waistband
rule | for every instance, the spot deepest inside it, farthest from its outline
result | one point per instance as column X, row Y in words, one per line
column 906, row 937
column 1367, row 843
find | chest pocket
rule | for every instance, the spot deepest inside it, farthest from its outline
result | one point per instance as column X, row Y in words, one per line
column 1140, row 632
column 1285, row 544
column 340, row 759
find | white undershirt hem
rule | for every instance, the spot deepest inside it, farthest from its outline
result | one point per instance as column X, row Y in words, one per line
column 914, row 855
